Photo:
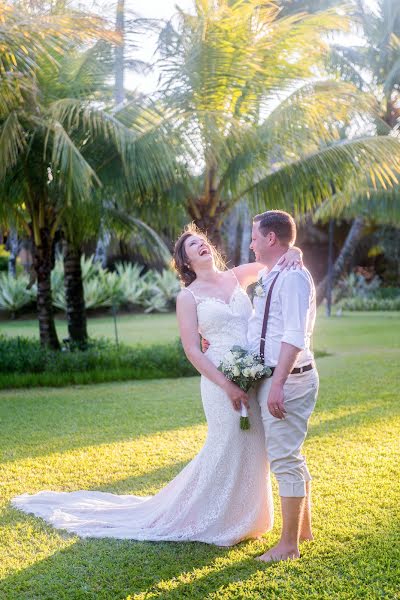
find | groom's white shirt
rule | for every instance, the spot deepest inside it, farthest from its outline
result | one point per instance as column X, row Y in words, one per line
column 291, row 316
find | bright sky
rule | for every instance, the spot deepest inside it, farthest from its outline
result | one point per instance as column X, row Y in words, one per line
column 152, row 9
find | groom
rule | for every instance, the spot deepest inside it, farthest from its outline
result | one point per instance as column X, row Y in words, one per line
column 280, row 330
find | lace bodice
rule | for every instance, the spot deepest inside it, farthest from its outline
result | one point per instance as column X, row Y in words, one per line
column 223, row 324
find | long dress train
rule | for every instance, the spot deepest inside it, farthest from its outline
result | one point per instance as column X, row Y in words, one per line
column 221, row 497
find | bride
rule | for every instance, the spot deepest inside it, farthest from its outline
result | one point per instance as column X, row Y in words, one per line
column 223, row 495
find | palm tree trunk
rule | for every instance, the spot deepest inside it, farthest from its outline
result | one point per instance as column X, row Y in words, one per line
column 231, row 236
column 344, row 258
column 119, row 53
column 13, row 245
column 42, row 263
column 76, row 311
column 246, row 233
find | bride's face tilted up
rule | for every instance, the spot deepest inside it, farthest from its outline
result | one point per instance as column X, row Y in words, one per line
column 195, row 254
column 198, row 252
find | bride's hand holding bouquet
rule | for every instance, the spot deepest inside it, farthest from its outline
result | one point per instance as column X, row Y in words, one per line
column 242, row 369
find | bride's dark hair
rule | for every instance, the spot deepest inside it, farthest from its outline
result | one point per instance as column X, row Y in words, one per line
column 180, row 260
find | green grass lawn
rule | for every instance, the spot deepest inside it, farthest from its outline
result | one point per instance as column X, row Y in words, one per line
column 132, row 329
column 134, row 437
column 351, row 331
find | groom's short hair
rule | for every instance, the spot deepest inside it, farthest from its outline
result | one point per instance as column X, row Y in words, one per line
column 280, row 222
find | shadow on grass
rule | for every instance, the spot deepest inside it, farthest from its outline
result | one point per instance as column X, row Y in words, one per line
column 94, row 418
column 363, row 566
column 138, row 483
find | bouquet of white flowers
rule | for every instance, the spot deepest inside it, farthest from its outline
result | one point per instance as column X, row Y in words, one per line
column 243, row 368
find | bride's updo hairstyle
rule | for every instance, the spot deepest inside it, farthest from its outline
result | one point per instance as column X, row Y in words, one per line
column 180, row 260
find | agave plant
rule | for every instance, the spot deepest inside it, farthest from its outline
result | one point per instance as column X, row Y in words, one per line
column 57, row 285
column 90, row 268
column 132, row 285
column 155, row 303
column 14, row 293
column 167, row 284
column 354, row 285
column 96, row 294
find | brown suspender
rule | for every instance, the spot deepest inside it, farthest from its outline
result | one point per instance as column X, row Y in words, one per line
column 266, row 315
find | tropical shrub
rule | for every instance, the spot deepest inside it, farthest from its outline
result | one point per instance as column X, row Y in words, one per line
column 355, row 284
column 25, row 355
column 14, row 293
column 372, row 303
column 132, row 284
column 126, row 286
column 355, row 293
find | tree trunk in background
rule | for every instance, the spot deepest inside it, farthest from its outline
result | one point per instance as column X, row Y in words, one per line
column 211, row 226
column 119, row 53
column 344, row 258
column 43, row 264
column 13, row 246
column 102, row 245
column 74, row 295
column 246, row 224
column 231, row 233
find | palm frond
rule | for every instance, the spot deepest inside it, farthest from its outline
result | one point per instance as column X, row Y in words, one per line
column 74, row 173
column 304, row 184
column 379, row 206
column 141, row 236
column 315, row 114
column 12, row 142
column 229, row 55
column 143, row 146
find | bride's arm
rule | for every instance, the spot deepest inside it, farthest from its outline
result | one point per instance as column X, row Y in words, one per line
column 187, row 320
column 249, row 272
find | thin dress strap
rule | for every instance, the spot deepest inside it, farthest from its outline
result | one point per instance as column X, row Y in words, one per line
column 185, row 289
column 235, row 276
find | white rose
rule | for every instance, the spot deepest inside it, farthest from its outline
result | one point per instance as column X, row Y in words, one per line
column 236, row 371
column 247, row 372
column 259, row 290
column 229, row 358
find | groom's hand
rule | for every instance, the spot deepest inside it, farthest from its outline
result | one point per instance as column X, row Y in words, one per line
column 205, row 344
column 275, row 401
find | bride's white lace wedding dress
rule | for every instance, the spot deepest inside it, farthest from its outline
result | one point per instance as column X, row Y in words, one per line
column 221, row 497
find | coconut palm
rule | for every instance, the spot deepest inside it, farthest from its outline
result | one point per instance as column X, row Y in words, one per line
column 374, row 67
column 121, row 193
column 53, row 139
column 245, row 80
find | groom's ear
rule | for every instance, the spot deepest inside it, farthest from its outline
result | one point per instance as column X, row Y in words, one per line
column 271, row 238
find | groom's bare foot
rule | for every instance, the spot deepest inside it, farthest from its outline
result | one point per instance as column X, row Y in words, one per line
column 308, row 537
column 280, row 552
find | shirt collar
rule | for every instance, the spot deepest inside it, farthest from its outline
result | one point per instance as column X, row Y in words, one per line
column 276, row 268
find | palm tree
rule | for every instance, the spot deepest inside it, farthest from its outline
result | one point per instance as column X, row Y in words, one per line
column 244, row 80
column 52, row 139
column 373, row 67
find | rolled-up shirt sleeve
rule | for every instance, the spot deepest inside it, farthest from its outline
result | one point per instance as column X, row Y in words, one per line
column 295, row 295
